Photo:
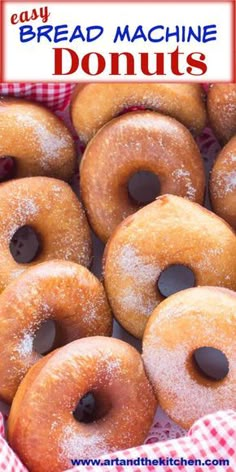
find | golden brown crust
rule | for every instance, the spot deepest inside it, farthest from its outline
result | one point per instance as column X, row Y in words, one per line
column 188, row 320
column 53, row 210
column 223, row 183
column 171, row 230
column 58, row 290
column 221, row 105
column 95, row 104
column 131, row 143
column 23, row 390
column 50, row 392
column 38, row 140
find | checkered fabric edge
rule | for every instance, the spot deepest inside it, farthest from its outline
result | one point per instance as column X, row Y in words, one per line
column 9, row 462
column 55, row 96
column 212, row 437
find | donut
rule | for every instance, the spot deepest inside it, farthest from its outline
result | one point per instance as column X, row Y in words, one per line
column 58, row 290
column 87, row 398
column 95, row 104
column 41, row 219
column 189, row 353
column 221, row 106
column 223, row 183
column 131, row 143
column 168, row 234
column 33, row 142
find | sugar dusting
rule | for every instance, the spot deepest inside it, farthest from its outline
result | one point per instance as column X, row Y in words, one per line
column 113, row 366
column 91, row 303
column 132, row 299
column 51, row 145
column 111, row 370
column 25, row 347
column 24, row 208
column 135, row 266
column 27, row 205
column 67, row 270
column 225, row 110
column 57, row 191
column 90, row 308
column 88, row 441
column 17, row 272
column 185, row 177
column 186, row 399
column 224, row 183
column 231, row 182
column 74, row 444
column 190, row 400
column 140, row 275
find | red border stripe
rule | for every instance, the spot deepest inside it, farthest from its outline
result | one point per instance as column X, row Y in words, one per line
column 24, row 6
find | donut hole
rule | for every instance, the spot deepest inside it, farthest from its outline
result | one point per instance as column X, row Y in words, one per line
column 7, row 168
column 25, row 244
column 209, row 363
column 175, row 278
column 45, row 339
column 144, row 187
column 93, row 406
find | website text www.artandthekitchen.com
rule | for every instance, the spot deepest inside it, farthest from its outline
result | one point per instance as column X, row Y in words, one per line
column 161, row 461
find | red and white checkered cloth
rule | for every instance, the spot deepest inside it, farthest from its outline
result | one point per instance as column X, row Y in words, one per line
column 212, row 437
column 55, row 96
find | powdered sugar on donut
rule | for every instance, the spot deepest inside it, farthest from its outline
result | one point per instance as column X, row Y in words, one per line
column 229, row 100
column 132, row 299
column 17, row 272
column 224, row 183
column 73, row 444
column 140, row 275
column 168, row 358
column 24, row 208
column 91, row 308
column 28, row 206
column 231, row 182
column 50, row 202
column 51, row 145
column 185, row 177
column 64, row 271
column 25, row 347
column 168, row 371
column 134, row 265
column 113, row 366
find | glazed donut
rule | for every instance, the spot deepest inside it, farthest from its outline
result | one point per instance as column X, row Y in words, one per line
column 169, row 232
column 95, row 104
column 121, row 413
column 130, row 143
column 59, row 290
column 221, row 105
column 223, row 183
column 189, row 352
column 41, row 219
column 34, row 142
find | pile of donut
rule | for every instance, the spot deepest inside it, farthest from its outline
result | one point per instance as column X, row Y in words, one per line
column 94, row 394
